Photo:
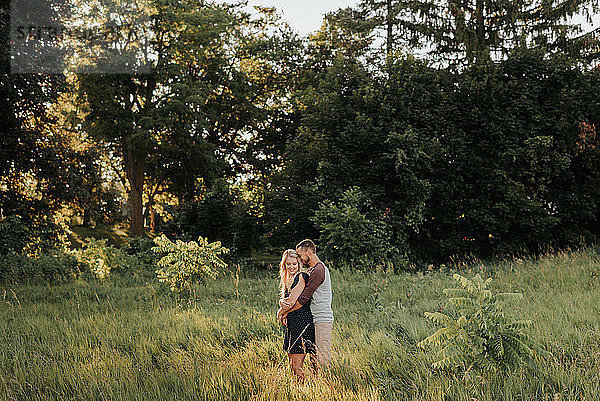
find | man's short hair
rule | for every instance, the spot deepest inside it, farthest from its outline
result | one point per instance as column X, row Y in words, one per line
column 306, row 244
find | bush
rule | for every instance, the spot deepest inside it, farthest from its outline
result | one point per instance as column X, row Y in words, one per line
column 352, row 231
column 97, row 256
column 102, row 260
column 141, row 247
column 56, row 266
column 14, row 235
column 186, row 262
column 31, row 225
column 477, row 333
column 33, row 236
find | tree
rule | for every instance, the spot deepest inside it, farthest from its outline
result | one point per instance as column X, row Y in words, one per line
column 473, row 30
column 142, row 115
column 511, row 179
column 375, row 133
column 38, row 167
column 214, row 88
column 585, row 47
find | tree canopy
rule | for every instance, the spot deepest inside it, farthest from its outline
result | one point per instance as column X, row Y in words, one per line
column 398, row 131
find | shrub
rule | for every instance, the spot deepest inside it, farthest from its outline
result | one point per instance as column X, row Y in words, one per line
column 141, row 247
column 476, row 331
column 55, row 266
column 186, row 262
column 28, row 235
column 351, row 231
column 102, row 259
column 14, row 235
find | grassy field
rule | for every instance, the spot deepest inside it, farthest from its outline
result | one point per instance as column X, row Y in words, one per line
column 118, row 341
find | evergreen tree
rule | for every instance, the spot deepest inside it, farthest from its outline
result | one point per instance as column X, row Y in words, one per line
column 473, row 30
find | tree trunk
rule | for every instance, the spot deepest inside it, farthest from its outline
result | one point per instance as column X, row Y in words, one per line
column 480, row 31
column 134, row 165
column 389, row 28
column 86, row 216
column 149, row 215
column 152, row 219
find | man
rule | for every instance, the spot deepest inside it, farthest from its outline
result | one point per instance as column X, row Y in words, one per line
column 318, row 288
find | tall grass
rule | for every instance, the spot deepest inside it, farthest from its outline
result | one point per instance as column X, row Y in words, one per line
column 117, row 341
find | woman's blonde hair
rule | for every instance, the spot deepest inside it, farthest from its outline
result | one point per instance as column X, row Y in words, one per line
column 284, row 275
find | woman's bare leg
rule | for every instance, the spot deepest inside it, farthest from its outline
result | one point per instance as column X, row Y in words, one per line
column 296, row 361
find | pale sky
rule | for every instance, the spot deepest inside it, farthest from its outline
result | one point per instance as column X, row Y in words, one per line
column 305, row 16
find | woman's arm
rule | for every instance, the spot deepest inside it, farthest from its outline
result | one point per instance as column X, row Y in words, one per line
column 297, row 290
column 294, row 294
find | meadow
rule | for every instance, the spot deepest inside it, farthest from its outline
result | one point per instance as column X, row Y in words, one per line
column 131, row 340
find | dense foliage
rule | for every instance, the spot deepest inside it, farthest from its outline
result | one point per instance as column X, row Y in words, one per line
column 53, row 266
column 351, row 233
column 222, row 214
column 245, row 133
column 497, row 159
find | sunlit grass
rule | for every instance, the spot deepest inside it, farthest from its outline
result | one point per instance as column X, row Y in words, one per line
column 115, row 235
column 92, row 340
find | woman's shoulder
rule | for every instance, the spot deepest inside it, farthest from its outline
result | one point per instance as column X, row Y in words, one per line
column 299, row 275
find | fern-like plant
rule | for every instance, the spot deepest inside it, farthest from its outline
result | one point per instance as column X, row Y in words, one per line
column 476, row 331
column 186, row 262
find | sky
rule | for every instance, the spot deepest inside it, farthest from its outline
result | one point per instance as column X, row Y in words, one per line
column 305, row 16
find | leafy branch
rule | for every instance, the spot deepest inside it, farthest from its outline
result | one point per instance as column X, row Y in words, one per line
column 476, row 332
column 186, row 262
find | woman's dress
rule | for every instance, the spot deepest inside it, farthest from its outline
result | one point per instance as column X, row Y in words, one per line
column 300, row 329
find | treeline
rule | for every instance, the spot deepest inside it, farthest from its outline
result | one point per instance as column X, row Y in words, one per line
column 246, row 133
column 495, row 159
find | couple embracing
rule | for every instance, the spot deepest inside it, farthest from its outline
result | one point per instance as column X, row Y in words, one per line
column 305, row 307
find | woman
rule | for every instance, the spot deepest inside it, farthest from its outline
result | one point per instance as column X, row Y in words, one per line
column 299, row 328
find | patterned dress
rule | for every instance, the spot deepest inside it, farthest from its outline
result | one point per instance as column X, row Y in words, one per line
column 300, row 329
